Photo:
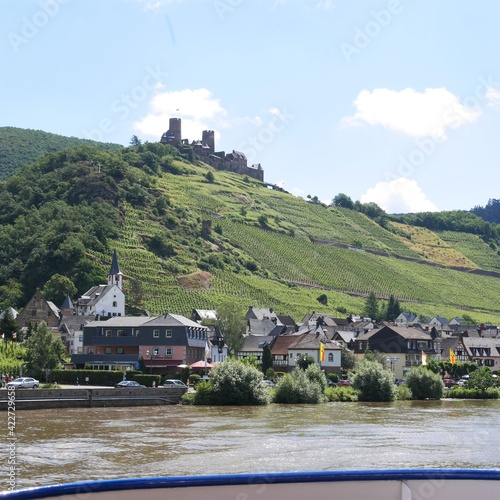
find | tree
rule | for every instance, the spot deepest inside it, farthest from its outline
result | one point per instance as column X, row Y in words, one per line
column 371, row 307
column 8, row 326
column 304, row 361
column 342, row 200
column 347, row 359
column 135, row 141
column 10, row 294
column 58, row 288
column 43, row 351
column 267, row 359
column 481, row 379
column 209, row 176
column 323, row 299
column 424, row 384
column 373, row 382
column 232, row 324
column 393, row 309
column 136, row 294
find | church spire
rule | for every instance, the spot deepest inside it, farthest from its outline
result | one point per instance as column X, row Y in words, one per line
column 115, row 277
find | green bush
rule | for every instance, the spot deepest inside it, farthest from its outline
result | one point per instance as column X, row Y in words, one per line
column 333, row 377
column 465, row 393
column 374, row 382
column 204, row 394
column 341, row 394
column 237, row 383
column 297, row 388
column 424, row 384
column 194, row 379
column 403, row 393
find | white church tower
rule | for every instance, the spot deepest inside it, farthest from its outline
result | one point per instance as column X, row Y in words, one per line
column 105, row 300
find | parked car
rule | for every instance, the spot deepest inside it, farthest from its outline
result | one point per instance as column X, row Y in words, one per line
column 343, row 382
column 269, row 383
column 462, row 382
column 23, row 383
column 125, row 384
column 399, row 381
column 448, row 382
column 171, row 382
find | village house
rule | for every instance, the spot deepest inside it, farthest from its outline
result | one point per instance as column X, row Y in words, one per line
column 313, row 344
column 39, row 310
column 482, row 351
column 162, row 342
column 405, row 347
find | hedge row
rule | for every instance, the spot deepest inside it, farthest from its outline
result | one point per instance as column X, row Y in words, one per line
column 100, row 377
column 463, row 393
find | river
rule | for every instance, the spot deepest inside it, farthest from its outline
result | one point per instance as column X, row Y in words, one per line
column 60, row 446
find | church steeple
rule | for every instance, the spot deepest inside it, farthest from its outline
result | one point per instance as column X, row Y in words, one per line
column 115, row 277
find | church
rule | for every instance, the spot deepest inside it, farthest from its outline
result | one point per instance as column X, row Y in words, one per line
column 104, row 300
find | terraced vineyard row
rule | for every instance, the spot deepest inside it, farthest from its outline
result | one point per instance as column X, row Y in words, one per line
column 474, row 248
column 361, row 272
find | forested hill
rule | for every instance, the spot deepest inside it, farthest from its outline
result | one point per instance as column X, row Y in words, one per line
column 490, row 213
column 19, row 147
column 188, row 236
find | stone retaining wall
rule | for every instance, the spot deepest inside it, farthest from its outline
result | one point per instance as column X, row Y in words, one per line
column 33, row 399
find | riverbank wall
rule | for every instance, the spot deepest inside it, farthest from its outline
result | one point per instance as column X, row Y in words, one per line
column 37, row 399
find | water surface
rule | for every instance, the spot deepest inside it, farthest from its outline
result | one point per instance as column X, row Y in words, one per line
column 55, row 446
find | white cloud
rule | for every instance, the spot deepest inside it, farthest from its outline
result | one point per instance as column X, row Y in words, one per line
column 198, row 108
column 493, row 97
column 401, row 195
column 417, row 114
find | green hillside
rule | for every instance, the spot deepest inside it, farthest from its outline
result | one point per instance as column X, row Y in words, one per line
column 66, row 213
column 19, row 147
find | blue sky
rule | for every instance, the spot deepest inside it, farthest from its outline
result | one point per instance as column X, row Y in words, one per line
column 391, row 101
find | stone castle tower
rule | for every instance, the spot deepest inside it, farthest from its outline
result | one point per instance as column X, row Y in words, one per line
column 174, row 126
column 208, row 139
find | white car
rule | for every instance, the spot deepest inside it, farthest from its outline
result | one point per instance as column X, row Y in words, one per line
column 23, row 383
column 174, row 383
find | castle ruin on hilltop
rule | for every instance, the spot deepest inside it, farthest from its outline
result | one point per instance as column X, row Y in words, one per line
column 205, row 150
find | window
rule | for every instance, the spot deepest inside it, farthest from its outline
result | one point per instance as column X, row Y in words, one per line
column 90, row 350
column 119, row 350
column 168, row 334
column 107, row 350
column 120, row 333
column 156, row 351
column 108, row 333
column 115, row 304
column 156, row 334
column 80, row 338
column 330, row 357
column 168, row 351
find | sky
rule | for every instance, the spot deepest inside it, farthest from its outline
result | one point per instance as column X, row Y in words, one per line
column 395, row 102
